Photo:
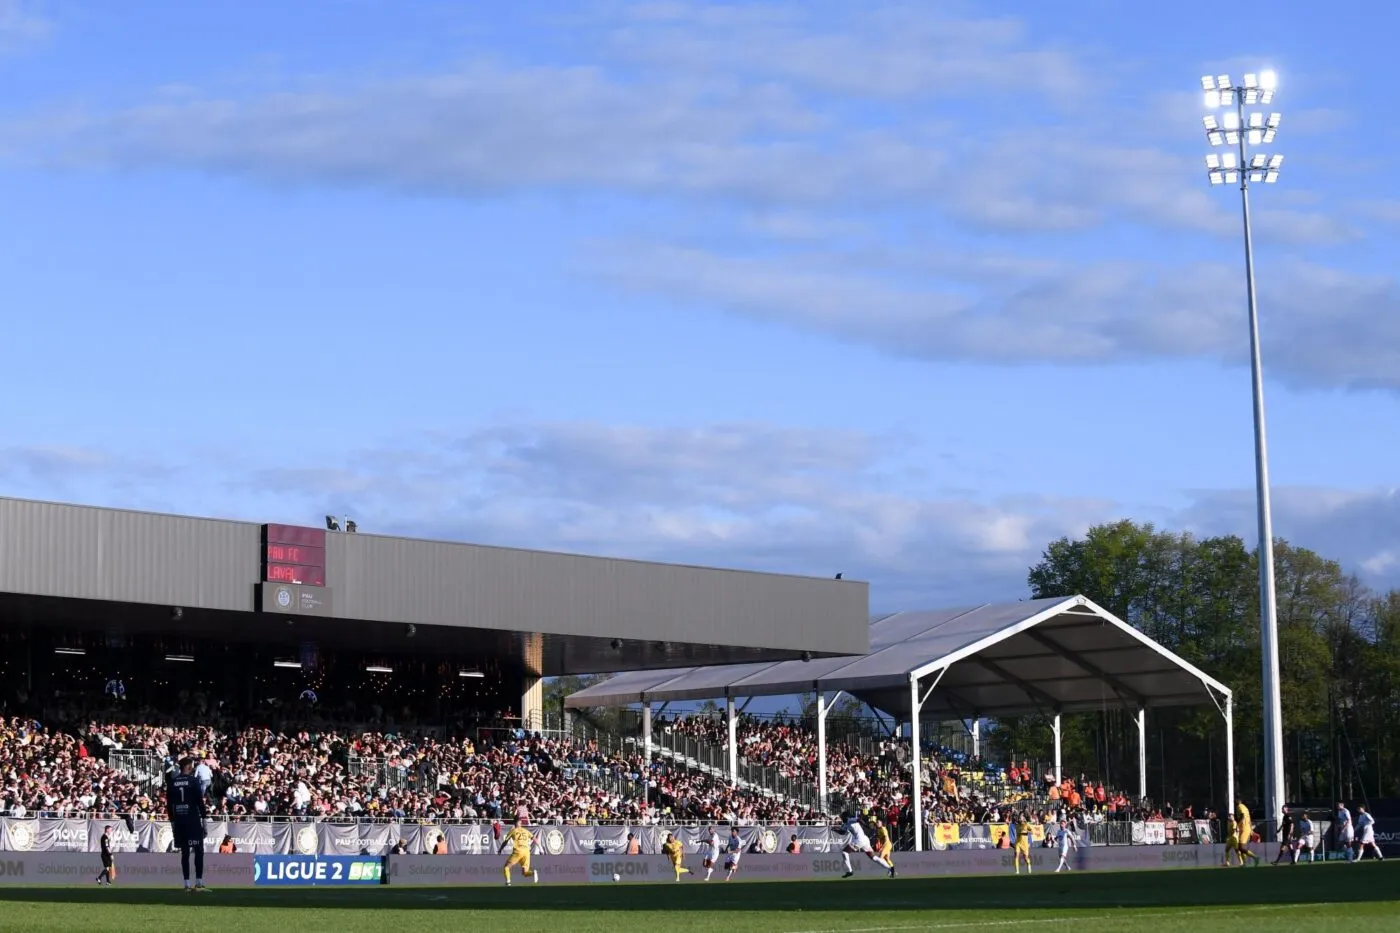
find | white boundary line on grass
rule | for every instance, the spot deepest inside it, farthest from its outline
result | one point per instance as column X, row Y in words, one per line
column 1115, row 917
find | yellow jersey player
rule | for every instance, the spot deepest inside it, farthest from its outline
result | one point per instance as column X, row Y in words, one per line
column 1023, row 844
column 674, row 851
column 520, row 840
column 884, row 847
column 1244, row 827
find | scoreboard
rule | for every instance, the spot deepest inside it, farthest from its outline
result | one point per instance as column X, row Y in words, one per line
column 293, row 554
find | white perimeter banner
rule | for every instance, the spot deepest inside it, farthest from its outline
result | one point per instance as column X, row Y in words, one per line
column 28, row 869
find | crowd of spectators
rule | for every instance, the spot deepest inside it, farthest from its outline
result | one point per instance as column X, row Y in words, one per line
column 873, row 773
column 315, row 771
column 326, row 774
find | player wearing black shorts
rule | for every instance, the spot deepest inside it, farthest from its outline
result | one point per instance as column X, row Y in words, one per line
column 108, row 874
column 184, row 804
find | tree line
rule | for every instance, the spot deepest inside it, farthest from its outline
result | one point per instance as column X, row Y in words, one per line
column 1339, row 656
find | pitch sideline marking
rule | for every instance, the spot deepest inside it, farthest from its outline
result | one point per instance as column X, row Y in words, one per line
column 987, row 924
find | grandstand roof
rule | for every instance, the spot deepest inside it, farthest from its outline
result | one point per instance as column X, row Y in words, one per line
column 1047, row 655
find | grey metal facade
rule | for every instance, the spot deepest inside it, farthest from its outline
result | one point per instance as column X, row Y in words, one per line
column 49, row 549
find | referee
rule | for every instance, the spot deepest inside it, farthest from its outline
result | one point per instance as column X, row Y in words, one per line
column 108, row 874
column 1285, row 836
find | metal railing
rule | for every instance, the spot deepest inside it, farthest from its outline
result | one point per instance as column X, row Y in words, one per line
column 141, row 766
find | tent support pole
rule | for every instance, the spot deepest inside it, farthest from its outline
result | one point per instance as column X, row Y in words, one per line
column 1229, row 754
column 731, row 716
column 976, row 738
column 916, row 706
column 823, row 707
column 646, row 731
column 1059, row 775
column 1142, row 752
column 917, row 760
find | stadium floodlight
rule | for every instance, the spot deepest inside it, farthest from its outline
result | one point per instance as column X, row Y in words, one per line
column 290, row 665
column 70, row 651
column 1241, row 131
column 379, row 669
column 183, row 658
column 470, row 674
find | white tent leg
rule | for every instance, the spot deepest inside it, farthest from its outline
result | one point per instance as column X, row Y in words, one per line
column 1056, row 726
column 732, row 716
column 976, row 738
column 821, row 750
column 646, row 732
column 1142, row 753
column 914, row 707
column 1229, row 756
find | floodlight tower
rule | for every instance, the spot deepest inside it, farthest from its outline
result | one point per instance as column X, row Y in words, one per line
column 1238, row 131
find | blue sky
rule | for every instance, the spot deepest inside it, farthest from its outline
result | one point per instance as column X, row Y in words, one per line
column 901, row 290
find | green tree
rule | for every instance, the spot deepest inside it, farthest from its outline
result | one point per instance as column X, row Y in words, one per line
column 1339, row 657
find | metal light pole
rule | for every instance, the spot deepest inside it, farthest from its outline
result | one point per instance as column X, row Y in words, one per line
column 1238, row 130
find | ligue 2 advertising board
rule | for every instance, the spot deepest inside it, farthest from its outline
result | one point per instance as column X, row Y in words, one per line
column 318, row 870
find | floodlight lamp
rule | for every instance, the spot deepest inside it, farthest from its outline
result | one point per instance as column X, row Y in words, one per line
column 1223, row 82
column 1212, row 100
column 1256, row 120
column 1274, row 119
column 1270, row 178
column 1231, row 121
column 1258, row 161
column 1255, row 137
column 1268, row 136
column 1210, row 122
column 1251, row 96
column 1227, row 160
column 1207, row 83
column 1215, row 139
column 1232, row 177
column 1275, row 162
column 1268, row 80
column 1212, row 161
column 1216, row 178
column 1266, row 97
column 1251, row 80
column 1256, row 177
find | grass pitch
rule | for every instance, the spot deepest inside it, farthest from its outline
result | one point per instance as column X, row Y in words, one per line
column 1299, row 899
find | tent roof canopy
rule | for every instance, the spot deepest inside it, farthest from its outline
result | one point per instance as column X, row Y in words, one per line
column 1060, row 655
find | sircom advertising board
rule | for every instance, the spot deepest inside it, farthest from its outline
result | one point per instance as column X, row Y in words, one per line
column 318, row 870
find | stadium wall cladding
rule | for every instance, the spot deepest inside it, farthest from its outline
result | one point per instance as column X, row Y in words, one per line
column 82, row 552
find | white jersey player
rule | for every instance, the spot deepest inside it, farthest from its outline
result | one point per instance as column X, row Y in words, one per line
column 858, row 841
column 1346, row 836
column 710, row 847
column 1304, row 841
column 1068, row 842
column 733, row 848
column 1366, row 835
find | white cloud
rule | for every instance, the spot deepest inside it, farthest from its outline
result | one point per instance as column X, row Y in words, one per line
column 1321, row 327
column 1358, row 528
column 741, row 495
column 835, row 126
column 21, row 26
column 761, row 105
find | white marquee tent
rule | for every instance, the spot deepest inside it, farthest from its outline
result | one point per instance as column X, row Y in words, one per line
column 1054, row 656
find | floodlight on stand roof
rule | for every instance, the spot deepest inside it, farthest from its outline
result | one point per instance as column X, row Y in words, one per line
column 1268, row 80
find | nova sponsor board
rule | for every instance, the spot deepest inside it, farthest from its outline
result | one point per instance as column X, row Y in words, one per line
column 29, row 869
column 318, row 870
